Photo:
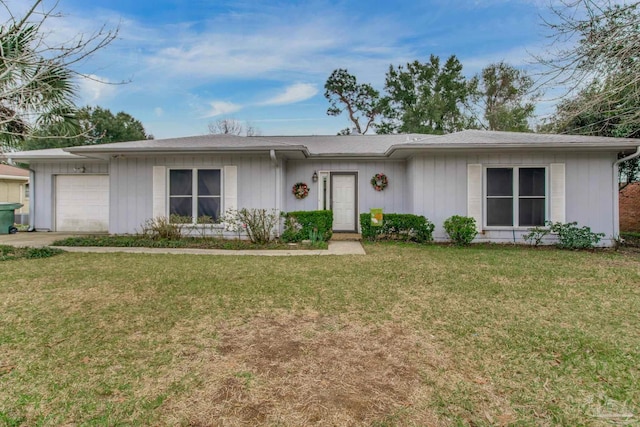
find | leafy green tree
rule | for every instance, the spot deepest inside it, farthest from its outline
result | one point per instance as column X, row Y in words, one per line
column 107, row 127
column 360, row 100
column 36, row 80
column 506, row 98
column 428, row 98
column 97, row 126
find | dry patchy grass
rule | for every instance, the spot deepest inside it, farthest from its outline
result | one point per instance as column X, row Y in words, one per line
column 407, row 335
column 310, row 370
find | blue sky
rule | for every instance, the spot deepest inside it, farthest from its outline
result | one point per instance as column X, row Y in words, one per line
column 189, row 63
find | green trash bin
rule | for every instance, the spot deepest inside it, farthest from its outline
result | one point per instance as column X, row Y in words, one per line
column 8, row 217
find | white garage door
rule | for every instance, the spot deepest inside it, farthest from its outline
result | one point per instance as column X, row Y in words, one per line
column 82, row 203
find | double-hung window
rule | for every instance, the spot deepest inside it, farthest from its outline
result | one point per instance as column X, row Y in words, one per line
column 516, row 196
column 195, row 194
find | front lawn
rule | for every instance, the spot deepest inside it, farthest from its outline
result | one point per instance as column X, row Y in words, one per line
column 407, row 335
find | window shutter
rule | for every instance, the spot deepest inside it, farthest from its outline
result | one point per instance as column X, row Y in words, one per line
column 230, row 187
column 557, row 193
column 474, row 193
column 159, row 191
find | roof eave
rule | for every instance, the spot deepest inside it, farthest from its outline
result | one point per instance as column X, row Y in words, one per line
column 27, row 158
column 363, row 156
column 172, row 150
column 515, row 146
column 14, row 178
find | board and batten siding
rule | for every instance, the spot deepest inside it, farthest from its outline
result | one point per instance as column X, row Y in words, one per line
column 439, row 186
column 132, row 185
column 392, row 200
column 43, row 189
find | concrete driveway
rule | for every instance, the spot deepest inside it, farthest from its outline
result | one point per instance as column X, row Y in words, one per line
column 35, row 239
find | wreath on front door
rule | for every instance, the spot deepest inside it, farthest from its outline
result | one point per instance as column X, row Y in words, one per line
column 300, row 190
column 379, row 181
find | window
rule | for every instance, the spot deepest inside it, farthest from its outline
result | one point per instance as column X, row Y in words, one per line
column 195, row 194
column 516, row 197
column 26, row 191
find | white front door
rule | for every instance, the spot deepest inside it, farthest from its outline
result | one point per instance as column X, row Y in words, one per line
column 82, row 203
column 343, row 201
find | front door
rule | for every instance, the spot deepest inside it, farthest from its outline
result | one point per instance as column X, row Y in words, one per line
column 344, row 196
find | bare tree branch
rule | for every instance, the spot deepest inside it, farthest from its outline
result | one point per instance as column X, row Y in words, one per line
column 597, row 52
column 231, row 126
column 37, row 78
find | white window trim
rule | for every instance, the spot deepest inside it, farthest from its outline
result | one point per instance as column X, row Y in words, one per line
column 515, row 197
column 194, row 196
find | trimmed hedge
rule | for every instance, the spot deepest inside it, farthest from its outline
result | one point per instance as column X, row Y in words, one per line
column 299, row 225
column 405, row 227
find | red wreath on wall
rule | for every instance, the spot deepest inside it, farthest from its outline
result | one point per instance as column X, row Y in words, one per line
column 379, row 181
column 300, row 190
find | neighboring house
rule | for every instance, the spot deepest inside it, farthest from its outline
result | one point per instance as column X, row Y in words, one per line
column 14, row 188
column 507, row 181
column 630, row 207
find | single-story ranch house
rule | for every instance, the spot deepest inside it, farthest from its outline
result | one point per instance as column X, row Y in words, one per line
column 507, row 181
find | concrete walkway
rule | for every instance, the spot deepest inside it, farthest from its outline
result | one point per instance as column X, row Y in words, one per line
column 39, row 239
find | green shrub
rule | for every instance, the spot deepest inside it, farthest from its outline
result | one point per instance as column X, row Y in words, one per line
column 570, row 236
column 315, row 237
column 461, row 229
column 536, row 235
column 405, row 227
column 299, row 225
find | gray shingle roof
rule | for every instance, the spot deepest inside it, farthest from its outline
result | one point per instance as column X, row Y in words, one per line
column 479, row 137
column 51, row 153
column 342, row 146
column 189, row 143
column 352, row 145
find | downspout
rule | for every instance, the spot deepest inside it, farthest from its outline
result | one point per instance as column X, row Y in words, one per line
column 32, row 200
column 278, row 202
column 616, row 191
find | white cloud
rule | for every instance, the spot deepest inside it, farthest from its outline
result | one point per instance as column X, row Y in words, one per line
column 292, row 94
column 158, row 111
column 219, row 108
column 94, row 89
column 278, row 47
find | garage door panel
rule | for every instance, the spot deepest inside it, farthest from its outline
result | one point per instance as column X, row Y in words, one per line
column 82, row 203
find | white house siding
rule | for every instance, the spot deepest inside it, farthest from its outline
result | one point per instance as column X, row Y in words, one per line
column 438, row 185
column 393, row 199
column 42, row 190
column 132, row 184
